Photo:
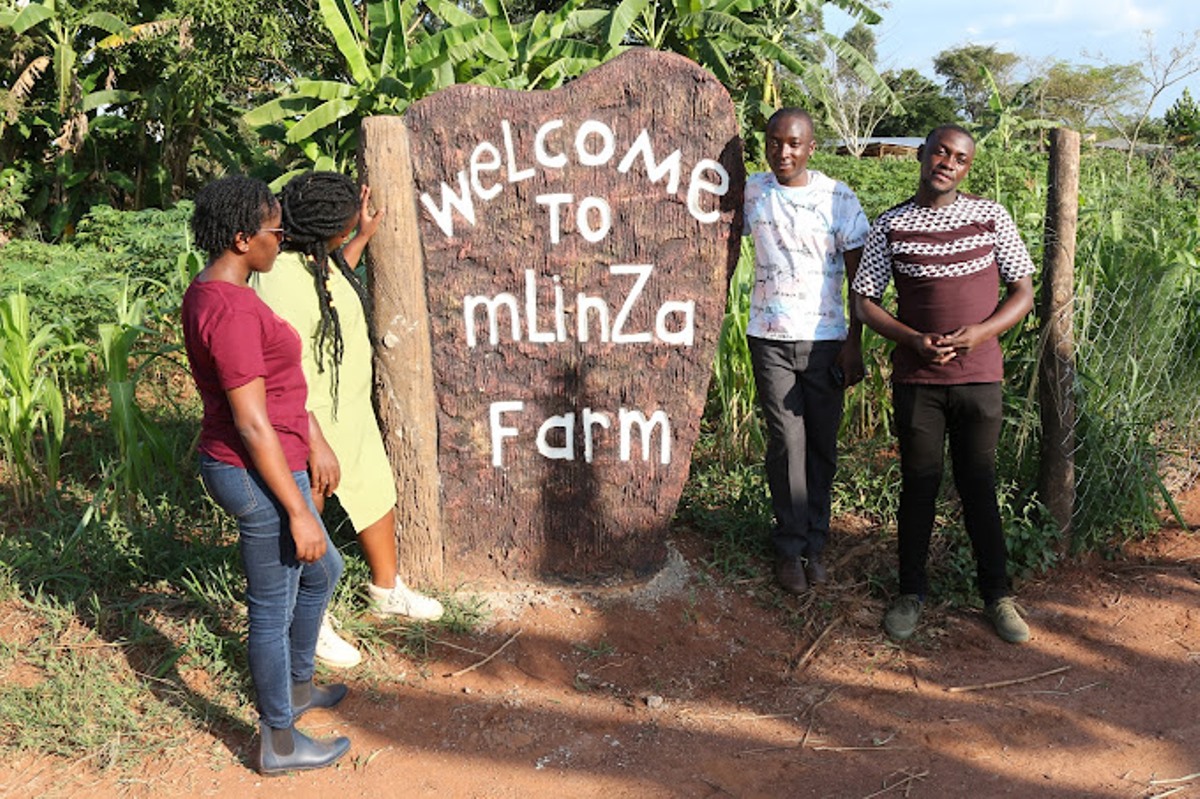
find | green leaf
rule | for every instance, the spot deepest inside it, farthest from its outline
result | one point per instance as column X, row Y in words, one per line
column 288, row 107
column 110, row 97
column 450, row 12
column 31, row 16
column 621, row 19
column 319, row 118
column 323, row 89
column 107, row 22
column 348, row 40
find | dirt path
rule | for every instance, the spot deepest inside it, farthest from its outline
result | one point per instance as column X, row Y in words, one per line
column 686, row 688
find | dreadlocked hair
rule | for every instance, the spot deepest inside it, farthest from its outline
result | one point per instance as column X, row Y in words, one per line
column 229, row 206
column 316, row 207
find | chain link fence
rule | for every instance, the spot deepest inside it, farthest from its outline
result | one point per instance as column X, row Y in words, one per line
column 1137, row 433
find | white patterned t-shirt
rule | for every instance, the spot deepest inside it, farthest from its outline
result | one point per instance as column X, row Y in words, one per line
column 800, row 235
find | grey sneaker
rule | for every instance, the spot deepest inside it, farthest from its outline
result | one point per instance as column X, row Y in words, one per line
column 1005, row 616
column 900, row 622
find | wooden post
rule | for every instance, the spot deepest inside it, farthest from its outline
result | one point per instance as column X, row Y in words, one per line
column 404, row 392
column 1056, row 478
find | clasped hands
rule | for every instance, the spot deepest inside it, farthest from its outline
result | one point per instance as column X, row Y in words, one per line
column 940, row 348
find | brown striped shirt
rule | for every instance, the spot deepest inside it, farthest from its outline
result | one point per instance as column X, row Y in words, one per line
column 948, row 264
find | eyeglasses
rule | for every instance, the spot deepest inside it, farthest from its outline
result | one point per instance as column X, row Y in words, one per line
column 278, row 231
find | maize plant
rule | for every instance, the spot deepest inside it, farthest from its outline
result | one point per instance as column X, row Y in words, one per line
column 32, row 417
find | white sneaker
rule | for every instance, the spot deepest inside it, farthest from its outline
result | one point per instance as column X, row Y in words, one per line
column 403, row 601
column 333, row 650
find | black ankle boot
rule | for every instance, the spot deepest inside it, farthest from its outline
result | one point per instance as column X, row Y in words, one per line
column 291, row 750
column 306, row 696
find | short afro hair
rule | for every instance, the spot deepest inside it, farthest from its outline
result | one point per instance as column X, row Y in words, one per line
column 229, row 206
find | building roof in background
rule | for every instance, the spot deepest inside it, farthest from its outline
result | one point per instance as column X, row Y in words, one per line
column 885, row 146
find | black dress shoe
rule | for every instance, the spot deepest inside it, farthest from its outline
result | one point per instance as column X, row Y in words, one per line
column 814, row 569
column 306, row 696
column 789, row 573
column 291, row 750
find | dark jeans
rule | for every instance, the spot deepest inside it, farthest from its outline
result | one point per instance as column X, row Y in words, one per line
column 970, row 414
column 802, row 402
column 285, row 599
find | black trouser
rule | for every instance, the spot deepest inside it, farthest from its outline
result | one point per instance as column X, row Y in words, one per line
column 970, row 414
column 802, row 403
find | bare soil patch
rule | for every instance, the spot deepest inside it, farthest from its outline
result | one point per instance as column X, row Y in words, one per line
column 687, row 687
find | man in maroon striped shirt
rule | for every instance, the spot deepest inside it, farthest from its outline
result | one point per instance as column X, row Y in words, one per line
column 948, row 252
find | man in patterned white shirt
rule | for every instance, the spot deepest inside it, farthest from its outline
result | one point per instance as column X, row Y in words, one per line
column 948, row 252
column 808, row 232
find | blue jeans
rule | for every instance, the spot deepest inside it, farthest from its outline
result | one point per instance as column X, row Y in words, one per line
column 285, row 599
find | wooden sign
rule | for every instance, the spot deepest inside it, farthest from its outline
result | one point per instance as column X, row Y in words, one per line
column 577, row 245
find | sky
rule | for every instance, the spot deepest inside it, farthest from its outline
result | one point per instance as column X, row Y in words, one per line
column 913, row 32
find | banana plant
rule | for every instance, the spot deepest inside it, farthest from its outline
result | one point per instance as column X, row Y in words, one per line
column 57, row 27
column 405, row 50
column 1008, row 117
column 749, row 45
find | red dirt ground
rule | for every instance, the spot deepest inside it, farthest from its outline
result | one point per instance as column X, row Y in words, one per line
column 689, row 688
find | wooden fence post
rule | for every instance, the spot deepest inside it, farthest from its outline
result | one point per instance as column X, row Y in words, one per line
column 1056, row 385
column 403, row 371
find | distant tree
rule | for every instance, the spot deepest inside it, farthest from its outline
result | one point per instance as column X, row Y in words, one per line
column 962, row 67
column 1159, row 72
column 852, row 106
column 924, row 105
column 1182, row 120
column 1079, row 94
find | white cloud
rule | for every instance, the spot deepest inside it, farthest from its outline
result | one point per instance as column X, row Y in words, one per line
column 1091, row 17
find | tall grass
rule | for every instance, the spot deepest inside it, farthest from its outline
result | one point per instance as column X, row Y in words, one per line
column 142, row 449
column 32, row 408
column 1137, row 295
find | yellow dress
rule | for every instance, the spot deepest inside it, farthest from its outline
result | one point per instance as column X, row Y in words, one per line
column 368, row 489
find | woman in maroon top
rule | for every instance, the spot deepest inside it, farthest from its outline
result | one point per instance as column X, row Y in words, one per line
column 253, row 454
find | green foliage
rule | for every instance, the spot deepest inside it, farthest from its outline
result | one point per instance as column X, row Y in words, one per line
column 134, row 104
column 32, row 407
column 737, row 431
column 1031, row 535
column 728, row 505
column 868, row 478
column 925, row 106
column 14, row 191
column 1182, row 120
column 142, row 449
column 1138, row 297
column 880, row 183
column 972, row 72
column 1076, row 95
column 401, row 51
column 84, row 280
column 1006, row 119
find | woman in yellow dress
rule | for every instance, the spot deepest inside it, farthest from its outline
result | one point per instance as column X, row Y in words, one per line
column 313, row 287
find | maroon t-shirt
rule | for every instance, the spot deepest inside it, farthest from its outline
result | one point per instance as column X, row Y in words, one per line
column 947, row 264
column 233, row 337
